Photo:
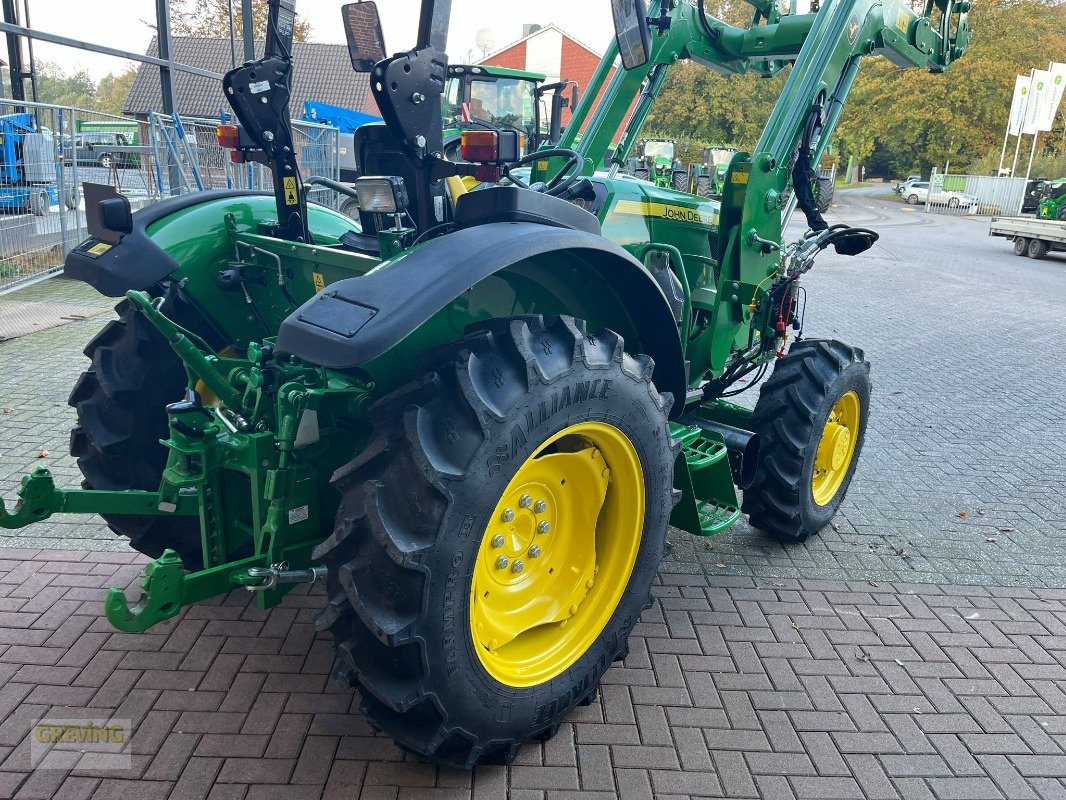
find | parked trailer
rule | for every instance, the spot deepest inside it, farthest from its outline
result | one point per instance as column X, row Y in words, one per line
column 1032, row 237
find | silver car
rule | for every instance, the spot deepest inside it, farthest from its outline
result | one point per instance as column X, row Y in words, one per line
column 918, row 192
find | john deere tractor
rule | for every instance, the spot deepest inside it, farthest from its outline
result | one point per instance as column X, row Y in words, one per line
column 1052, row 200
column 484, row 97
column 472, row 415
column 657, row 161
column 707, row 178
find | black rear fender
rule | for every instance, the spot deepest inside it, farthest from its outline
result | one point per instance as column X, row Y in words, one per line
column 382, row 321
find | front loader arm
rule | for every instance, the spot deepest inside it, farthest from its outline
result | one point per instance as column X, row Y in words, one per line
column 824, row 49
column 814, row 43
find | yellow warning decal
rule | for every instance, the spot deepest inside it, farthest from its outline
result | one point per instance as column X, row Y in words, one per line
column 739, row 177
column 99, row 249
column 291, row 198
column 704, row 215
column 903, row 21
column 320, row 282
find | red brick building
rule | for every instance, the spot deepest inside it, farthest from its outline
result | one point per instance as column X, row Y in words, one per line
column 553, row 52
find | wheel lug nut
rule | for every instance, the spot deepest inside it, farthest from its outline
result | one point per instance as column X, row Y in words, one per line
column 540, row 507
column 502, row 562
column 544, row 527
column 497, row 540
column 525, row 501
column 508, row 515
column 534, row 552
column 517, row 566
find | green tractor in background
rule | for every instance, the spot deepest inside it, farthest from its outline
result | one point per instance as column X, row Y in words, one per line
column 1052, row 200
column 707, row 178
column 657, row 161
column 472, row 415
column 484, row 97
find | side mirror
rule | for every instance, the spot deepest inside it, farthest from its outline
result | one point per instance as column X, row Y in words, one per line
column 366, row 42
column 631, row 32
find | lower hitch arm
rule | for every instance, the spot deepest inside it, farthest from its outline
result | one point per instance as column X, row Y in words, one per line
column 39, row 499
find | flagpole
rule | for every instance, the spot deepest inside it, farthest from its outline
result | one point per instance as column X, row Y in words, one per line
column 1017, row 147
column 1021, row 127
column 1003, row 152
column 1032, row 152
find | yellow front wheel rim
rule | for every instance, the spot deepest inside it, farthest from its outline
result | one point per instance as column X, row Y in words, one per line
column 557, row 554
column 836, row 448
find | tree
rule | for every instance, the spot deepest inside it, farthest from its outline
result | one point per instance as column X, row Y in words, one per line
column 212, row 18
column 55, row 86
column 112, row 91
column 910, row 118
column 959, row 116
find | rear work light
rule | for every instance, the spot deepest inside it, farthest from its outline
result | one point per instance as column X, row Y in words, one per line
column 480, row 146
column 381, row 194
column 229, row 136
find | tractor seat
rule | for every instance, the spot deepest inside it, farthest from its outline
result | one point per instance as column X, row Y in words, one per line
column 511, row 204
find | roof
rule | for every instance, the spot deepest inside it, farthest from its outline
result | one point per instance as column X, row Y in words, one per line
column 323, row 73
column 551, row 26
column 495, row 72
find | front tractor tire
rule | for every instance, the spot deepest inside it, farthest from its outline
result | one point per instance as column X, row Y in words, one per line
column 121, row 405
column 497, row 539
column 811, row 419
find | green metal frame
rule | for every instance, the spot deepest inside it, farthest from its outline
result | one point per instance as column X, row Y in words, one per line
column 254, row 466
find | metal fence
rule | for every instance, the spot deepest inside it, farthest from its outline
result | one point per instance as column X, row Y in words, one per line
column 191, row 146
column 984, row 195
column 50, row 151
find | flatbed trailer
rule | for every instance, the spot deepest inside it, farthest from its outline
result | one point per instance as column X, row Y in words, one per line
column 1031, row 236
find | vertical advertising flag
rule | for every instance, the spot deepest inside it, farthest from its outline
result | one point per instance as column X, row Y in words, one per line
column 1017, row 105
column 1039, row 86
column 1049, row 106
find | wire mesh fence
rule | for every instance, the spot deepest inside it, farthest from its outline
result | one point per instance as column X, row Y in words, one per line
column 189, row 158
column 984, row 195
column 47, row 152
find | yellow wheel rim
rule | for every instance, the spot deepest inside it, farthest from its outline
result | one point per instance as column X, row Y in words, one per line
column 836, row 448
column 557, row 554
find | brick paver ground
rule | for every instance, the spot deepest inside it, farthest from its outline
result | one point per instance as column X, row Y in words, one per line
column 734, row 687
column 881, row 659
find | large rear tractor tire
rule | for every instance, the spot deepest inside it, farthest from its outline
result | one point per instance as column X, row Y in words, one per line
column 497, row 539
column 680, row 180
column 811, row 420
column 705, row 186
column 121, row 403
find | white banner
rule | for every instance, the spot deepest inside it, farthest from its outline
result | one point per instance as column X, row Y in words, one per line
column 1017, row 105
column 1039, row 86
column 1052, row 97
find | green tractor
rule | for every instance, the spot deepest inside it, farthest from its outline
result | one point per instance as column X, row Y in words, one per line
column 483, row 97
column 657, row 161
column 707, row 178
column 1052, row 200
column 472, row 415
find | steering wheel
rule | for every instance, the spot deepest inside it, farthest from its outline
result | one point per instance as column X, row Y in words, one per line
column 566, row 177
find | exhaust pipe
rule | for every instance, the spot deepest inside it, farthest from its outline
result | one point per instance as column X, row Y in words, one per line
column 741, row 445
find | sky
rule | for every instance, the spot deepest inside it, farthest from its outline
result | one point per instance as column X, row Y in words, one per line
column 118, row 23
